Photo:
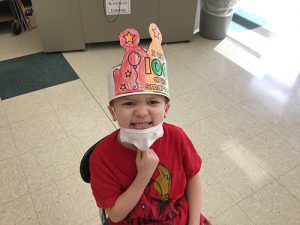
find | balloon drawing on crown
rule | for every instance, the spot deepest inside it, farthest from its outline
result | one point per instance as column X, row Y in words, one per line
column 141, row 71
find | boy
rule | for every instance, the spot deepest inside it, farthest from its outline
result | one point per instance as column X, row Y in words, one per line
column 146, row 172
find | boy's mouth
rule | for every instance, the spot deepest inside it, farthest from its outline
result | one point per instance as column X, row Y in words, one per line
column 140, row 126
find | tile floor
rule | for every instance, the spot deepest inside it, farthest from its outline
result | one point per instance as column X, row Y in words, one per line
column 241, row 110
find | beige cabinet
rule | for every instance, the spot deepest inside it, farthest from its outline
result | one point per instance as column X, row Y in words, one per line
column 59, row 24
column 66, row 25
column 97, row 27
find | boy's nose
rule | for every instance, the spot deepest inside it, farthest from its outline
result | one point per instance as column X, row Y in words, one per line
column 141, row 111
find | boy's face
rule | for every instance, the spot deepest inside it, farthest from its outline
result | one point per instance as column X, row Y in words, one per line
column 139, row 111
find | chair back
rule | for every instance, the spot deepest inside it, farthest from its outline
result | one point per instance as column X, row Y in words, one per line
column 85, row 164
column 86, row 176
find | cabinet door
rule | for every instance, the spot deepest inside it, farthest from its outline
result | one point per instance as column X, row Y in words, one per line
column 59, row 24
column 177, row 19
column 98, row 27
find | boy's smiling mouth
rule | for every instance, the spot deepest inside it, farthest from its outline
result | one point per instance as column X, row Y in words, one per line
column 140, row 126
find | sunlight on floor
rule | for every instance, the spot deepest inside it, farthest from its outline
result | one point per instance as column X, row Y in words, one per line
column 268, row 52
column 239, row 158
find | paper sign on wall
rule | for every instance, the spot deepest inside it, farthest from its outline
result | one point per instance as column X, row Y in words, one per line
column 117, row 7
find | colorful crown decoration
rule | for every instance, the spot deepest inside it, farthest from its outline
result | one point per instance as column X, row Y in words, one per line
column 141, row 71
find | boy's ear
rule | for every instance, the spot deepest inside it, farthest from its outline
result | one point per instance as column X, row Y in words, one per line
column 112, row 113
column 168, row 105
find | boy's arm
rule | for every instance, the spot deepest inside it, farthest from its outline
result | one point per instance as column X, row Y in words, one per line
column 193, row 192
column 146, row 163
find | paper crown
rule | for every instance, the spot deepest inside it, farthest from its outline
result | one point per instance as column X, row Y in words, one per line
column 141, row 72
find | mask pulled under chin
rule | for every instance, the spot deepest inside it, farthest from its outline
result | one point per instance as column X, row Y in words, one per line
column 142, row 139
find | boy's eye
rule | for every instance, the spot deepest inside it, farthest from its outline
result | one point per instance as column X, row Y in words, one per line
column 153, row 102
column 128, row 103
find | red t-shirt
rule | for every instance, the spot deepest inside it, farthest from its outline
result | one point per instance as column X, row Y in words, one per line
column 113, row 169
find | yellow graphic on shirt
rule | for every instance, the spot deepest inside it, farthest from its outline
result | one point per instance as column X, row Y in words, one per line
column 162, row 183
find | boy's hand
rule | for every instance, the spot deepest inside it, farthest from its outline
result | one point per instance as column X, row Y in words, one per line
column 146, row 163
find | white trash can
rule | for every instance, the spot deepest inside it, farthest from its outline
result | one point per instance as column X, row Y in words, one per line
column 215, row 17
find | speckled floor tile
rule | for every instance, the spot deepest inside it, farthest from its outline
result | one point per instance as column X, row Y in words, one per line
column 11, row 48
column 98, row 61
column 207, row 138
column 85, row 124
column 237, row 124
column 238, row 174
column 19, row 212
column 215, row 199
column 237, row 87
column 7, row 145
column 291, row 181
column 49, row 163
column 96, row 82
column 271, row 205
column 3, row 118
column 67, row 94
column 273, row 152
column 37, row 131
column 209, row 101
column 12, row 180
column 265, row 109
column 65, row 202
column 178, row 111
column 293, row 113
column 289, row 129
column 26, row 106
column 30, row 42
column 185, row 81
column 94, row 221
column 215, row 68
column 232, row 216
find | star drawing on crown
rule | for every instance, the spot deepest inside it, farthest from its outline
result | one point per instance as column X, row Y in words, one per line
column 127, row 73
column 122, row 87
column 128, row 38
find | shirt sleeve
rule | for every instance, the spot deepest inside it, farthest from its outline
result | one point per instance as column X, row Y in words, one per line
column 190, row 158
column 105, row 186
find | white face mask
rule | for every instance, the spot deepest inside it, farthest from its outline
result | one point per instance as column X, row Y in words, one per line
column 142, row 139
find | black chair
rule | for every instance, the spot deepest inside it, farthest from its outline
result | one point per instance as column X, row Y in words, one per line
column 86, row 177
column 85, row 164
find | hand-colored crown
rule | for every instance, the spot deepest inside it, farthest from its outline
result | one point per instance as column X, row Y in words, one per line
column 141, row 72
